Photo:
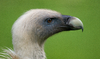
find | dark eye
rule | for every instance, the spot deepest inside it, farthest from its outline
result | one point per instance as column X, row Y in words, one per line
column 49, row 20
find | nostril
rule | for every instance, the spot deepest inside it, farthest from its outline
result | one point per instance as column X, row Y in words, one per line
column 68, row 18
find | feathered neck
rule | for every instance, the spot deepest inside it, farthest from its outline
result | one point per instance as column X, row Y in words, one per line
column 28, row 49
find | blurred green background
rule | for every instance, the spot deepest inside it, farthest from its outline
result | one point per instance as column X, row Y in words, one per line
column 64, row 45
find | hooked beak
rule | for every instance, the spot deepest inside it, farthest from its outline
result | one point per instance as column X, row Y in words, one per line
column 72, row 23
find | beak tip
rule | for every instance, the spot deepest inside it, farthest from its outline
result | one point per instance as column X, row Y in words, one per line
column 82, row 29
column 77, row 23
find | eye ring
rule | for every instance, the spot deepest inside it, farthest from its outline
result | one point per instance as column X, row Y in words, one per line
column 49, row 20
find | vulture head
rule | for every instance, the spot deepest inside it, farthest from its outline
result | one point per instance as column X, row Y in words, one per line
column 30, row 31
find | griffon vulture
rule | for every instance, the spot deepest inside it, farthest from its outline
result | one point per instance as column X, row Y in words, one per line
column 31, row 30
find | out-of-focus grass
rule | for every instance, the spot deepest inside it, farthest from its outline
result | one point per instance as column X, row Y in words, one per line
column 64, row 45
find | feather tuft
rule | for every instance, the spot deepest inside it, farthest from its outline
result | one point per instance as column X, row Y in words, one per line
column 8, row 54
